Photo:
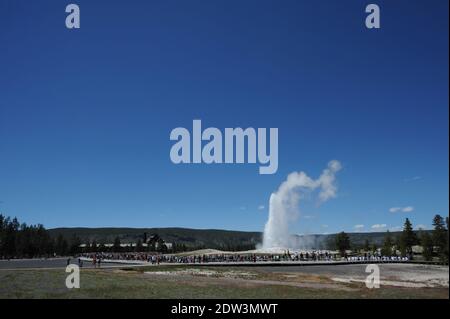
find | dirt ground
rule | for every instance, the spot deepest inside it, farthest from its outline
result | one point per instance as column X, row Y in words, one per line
column 398, row 281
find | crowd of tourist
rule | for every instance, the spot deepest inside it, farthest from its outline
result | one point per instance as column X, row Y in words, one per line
column 376, row 258
column 155, row 258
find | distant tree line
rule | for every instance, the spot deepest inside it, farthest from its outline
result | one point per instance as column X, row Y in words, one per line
column 157, row 244
column 19, row 240
column 434, row 243
column 154, row 244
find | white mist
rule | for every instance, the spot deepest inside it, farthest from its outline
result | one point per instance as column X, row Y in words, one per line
column 283, row 204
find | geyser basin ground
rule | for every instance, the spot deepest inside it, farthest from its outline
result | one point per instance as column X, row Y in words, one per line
column 181, row 281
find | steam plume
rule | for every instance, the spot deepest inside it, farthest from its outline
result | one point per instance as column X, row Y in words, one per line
column 283, row 204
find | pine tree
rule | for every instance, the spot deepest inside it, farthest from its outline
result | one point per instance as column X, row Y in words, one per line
column 386, row 250
column 116, row 246
column 427, row 246
column 94, row 246
column 440, row 237
column 87, row 248
column 342, row 243
column 75, row 243
column 61, row 246
column 2, row 234
column 408, row 239
column 366, row 245
column 101, row 247
column 139, row 246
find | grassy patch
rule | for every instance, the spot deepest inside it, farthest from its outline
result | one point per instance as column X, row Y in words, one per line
column 133, row 283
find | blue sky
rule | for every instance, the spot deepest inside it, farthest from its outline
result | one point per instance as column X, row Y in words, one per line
column 85, row 115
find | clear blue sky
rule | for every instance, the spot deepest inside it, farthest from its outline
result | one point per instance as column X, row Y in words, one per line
column 85, row 115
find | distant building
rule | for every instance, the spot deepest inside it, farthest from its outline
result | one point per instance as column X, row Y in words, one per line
column 124, row 245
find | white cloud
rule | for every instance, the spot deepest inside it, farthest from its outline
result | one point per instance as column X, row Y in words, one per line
column 325, row 226
column 395, row 228
column 261, row 207
column 358, row 227
column 406, row 209
column 412, row 179
column 378, row 227
column 421, row 226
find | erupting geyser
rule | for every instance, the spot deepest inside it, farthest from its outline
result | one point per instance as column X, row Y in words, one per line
column 283, row 205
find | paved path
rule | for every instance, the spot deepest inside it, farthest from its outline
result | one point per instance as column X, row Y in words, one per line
column 305, row 266
column 47, row 263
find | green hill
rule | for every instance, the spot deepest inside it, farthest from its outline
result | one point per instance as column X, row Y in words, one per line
column 208, row 238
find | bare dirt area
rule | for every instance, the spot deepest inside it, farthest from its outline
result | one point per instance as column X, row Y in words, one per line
column 249, row 278
column 402, row 275
column 334, row 277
